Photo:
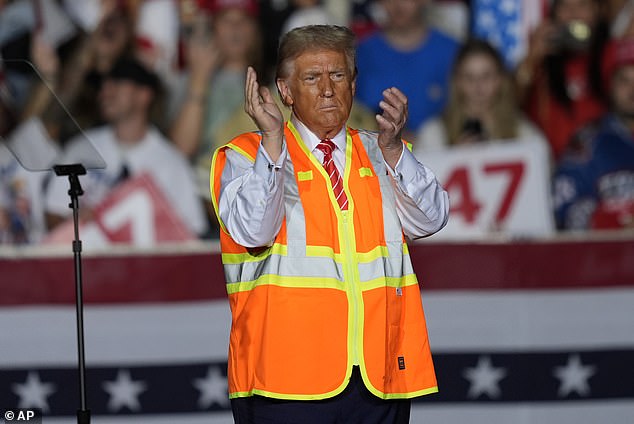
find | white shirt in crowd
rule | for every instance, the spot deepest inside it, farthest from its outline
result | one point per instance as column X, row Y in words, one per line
column 154, row 155
column 432, row 135
column 251, row 202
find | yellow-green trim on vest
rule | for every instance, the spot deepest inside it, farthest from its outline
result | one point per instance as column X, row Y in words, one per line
column 365, row 172
column 288, row 396
column 305, row 175
column 393, row 396
column 212, row 177
column 382, row 282
column 240, row 150
column 292, row 282
column 214, row 202
column 239, row 258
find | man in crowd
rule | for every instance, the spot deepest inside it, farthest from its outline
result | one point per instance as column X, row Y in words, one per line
column 327, row 324
column 407, row 53
column 130, row 146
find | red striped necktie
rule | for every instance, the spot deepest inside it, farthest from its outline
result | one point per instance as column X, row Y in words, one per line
column 327, row 147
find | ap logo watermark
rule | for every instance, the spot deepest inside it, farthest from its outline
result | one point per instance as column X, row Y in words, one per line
column 20, row 415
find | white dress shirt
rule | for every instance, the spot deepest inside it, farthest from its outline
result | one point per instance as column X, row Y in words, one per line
column 251, row 204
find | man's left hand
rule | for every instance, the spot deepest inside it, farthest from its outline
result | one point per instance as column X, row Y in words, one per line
column 391, row 123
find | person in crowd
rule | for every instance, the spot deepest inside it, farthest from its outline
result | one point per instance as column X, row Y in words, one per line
column 21, row 207
column 130, row 145
column 406, row 53
column 77, row 79
column 308, row 12
column 594, row 183
column 327, row 314
column 7, row 107
column 11, row 227
column 21, row 191
column 482, row 106
column 561, row 80
column 218, row 54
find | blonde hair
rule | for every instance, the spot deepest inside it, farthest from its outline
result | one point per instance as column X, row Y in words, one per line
column 505, row 124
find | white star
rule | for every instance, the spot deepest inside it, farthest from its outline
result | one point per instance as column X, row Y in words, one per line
column 513, row 30
column 574, row 377
column 495, row 38
column 508, row 7
column 486, row 20
column 484, row 379
column 124, row 392
column 213, row 389
column 515, row 54
column 33, row 392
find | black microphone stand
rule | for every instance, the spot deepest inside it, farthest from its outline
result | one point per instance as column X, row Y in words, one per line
column 73, row 171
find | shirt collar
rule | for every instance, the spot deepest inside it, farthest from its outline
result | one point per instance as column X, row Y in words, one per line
column 311, row 140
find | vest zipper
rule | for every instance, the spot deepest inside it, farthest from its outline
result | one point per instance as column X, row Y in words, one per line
column 351, row 281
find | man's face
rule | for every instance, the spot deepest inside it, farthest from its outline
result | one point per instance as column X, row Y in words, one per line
column 319, row 88
column 403, row 14
column 120, row 98
column 623, row 92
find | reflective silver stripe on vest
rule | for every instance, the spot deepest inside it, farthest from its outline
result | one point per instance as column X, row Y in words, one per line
column 285, row 266
column 391, row 223
column 295, row 222
column 395, row 265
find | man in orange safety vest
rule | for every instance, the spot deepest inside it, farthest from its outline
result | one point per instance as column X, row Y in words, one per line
column 327, row 318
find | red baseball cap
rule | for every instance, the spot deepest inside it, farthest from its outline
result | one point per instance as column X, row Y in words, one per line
column 623, row 53
column 215, row 6
column 618, row 53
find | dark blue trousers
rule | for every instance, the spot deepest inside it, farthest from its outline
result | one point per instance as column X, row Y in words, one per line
column 355, row 405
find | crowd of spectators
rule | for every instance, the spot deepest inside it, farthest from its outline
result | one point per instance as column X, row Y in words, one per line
column 158, row 85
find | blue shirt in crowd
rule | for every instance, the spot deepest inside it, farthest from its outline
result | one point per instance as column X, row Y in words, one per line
column 594, row 182
column 421, row 74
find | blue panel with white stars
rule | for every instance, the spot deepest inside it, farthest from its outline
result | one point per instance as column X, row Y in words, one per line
column 482, row 377
column 499, row 22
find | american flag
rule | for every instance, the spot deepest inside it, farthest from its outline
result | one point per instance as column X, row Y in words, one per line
column 524, row 332
column 506, row 24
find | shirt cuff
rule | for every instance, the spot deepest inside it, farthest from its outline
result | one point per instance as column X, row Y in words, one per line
column 265, row 167
column 406, row 168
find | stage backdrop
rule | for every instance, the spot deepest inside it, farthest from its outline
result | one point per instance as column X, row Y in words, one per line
column 524, row 332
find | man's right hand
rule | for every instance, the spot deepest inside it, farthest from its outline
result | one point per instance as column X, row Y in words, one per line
column 260, row 106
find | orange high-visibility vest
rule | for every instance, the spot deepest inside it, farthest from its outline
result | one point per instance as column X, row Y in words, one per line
column 335, row 289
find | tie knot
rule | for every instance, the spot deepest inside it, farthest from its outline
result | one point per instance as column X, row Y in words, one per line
column 326, row 146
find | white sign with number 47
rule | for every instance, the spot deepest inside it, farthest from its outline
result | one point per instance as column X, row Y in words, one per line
column 495, row 189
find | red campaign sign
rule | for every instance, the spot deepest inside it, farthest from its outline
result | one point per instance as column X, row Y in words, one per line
column 136, row 212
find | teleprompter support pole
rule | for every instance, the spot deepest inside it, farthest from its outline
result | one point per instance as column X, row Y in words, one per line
column 73, row 171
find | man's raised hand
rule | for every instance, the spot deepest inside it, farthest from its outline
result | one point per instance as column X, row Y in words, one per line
column 391, row 123
column 265, row 113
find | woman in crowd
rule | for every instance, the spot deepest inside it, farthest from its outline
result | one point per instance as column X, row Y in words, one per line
column 482, row 105
column 217, row 59
column 561, row 80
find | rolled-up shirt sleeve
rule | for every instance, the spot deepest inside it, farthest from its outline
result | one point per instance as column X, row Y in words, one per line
column 251, row 204
column 421, row 202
